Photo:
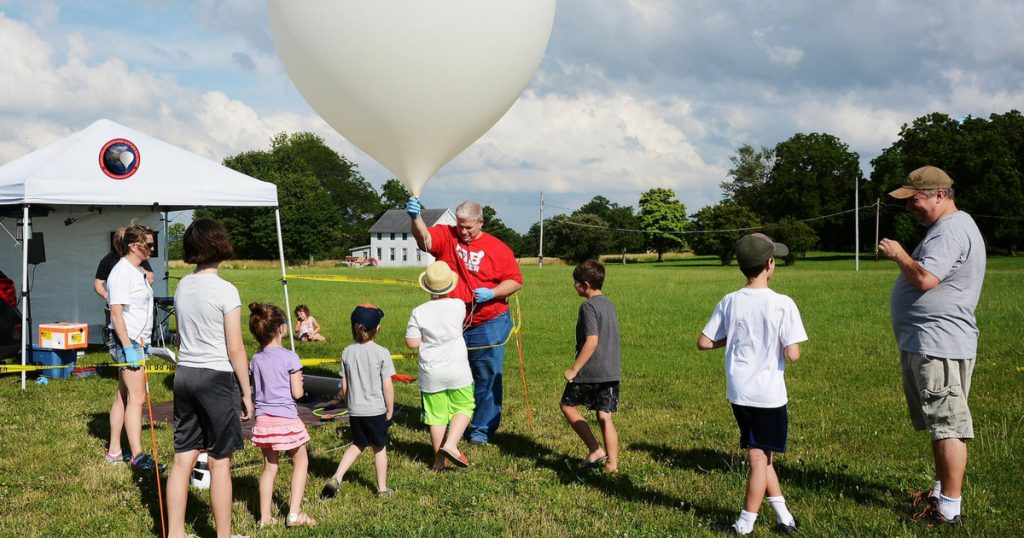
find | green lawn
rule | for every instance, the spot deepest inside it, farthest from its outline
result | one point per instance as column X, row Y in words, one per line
column 853, row 456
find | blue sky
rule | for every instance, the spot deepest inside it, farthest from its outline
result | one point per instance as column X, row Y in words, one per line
column 631, row 94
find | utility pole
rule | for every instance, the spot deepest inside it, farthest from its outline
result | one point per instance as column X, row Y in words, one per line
column 856, row 224
column 878, row 209
column 540, row 253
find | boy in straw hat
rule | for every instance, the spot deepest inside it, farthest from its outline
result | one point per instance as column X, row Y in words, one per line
column 760, row 330
column 445, row 380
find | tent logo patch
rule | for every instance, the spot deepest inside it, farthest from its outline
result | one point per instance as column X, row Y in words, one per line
column 119, row 158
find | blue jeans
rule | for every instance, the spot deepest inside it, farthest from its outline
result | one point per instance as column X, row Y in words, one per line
column 487, row 365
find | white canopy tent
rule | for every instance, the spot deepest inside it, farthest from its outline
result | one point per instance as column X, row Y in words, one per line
column 79, row 189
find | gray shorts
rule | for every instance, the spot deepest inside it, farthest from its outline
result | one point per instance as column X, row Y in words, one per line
column 936, row 391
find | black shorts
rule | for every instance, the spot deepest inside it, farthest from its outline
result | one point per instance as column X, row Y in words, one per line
column 602, row 396
column 207, row 411
column 764, row 428
column 368, row 431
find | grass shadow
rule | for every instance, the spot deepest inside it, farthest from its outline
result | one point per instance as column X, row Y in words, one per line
column 796, row 474
column 614, row 484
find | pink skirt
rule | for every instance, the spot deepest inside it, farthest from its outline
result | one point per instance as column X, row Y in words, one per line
column 279, row 433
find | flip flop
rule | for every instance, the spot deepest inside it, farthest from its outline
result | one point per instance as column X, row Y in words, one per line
column 458, row 459
column 587, row 465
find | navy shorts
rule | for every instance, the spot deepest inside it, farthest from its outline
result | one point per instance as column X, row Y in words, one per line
column 368, row 431
column 602, row 396
column 764, row 428
column 207, row 411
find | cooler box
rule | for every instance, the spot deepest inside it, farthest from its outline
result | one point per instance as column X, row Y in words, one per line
column 63, row 335
column 54, row 357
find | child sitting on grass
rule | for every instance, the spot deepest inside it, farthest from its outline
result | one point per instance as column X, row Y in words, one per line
column 760, row 330
column 366, row 371
column 306, row 326
column 277, row 375
column 445, row 380
column 593, row 380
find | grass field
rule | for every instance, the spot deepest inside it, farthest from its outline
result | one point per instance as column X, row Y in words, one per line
column 852, row 461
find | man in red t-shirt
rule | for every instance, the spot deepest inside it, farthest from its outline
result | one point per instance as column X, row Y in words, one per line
column 488, row 275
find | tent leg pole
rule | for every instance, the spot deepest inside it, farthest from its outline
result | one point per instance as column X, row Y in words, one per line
column 284, row 278
column 26, row 346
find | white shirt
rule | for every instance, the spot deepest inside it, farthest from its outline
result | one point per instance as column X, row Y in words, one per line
column 444, row 361
column 127, row 285
column 758, row 325
column 200, row 303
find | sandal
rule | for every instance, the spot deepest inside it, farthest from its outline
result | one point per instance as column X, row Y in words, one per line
column 272, row 522
column 455, row 457
column 587, row 465
column 301, row 519
column 387, row 492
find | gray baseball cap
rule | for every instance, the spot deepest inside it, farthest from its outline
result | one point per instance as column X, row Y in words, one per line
column 755, row 249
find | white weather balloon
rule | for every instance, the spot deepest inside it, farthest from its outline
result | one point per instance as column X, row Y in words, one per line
column 411, row 82
column 127, row 158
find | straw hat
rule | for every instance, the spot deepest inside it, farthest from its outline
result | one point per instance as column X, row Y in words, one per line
column 438, row 279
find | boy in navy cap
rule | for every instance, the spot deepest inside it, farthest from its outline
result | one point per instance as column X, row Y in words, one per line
column 760, row 330
column 366, row 371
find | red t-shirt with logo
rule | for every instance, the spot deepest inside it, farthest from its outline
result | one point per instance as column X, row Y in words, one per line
column 485, row 262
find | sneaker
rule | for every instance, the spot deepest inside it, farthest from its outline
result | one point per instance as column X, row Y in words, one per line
column 143, row 462
column 936, row 519
column 115, row 459
column 787, row 529
column 330, row 488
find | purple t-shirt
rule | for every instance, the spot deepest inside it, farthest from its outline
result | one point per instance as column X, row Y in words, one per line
column 271, row 371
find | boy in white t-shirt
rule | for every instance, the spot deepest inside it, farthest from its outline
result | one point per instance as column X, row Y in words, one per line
column 760, row 330
column 446, row 382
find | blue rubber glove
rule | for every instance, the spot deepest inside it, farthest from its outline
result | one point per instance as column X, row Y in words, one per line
column 413, row 208
column 482, row 295
column 132, row 355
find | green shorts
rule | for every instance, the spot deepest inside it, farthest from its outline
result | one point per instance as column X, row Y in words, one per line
column 936, row 390
column 440, row 407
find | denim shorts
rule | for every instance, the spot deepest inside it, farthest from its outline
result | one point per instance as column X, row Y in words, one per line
column 936, row 390
column 117, row 351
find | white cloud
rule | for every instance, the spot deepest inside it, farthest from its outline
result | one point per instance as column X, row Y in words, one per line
column 585, row 143
column 788, row 56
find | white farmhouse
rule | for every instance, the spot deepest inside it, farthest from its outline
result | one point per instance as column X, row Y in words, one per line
column 391, row 242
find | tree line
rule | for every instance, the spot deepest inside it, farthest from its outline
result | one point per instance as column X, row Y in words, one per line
column 801, row 192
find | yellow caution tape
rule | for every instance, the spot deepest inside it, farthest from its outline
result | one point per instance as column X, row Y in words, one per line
column 150, row 368
column 358, row 279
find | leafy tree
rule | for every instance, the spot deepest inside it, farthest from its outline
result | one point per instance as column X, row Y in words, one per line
column 750, row 172
column 304, row 170
column 662, row 217
column 719, row 227
column 494, row 226
column 796, row 235
column 812, row 176
column 393, row 195
column 577, row 237
column 618, row 218
column 175, row 233
column 984, row 158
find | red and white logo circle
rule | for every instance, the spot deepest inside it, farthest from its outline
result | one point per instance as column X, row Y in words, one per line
column 119, row 158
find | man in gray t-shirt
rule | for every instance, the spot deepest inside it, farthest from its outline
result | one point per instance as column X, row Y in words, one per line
column 932, row 310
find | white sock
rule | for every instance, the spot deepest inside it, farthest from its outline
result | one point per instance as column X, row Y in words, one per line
column 745, row 523
column 949, row 508
column 937, row 489
column 782, row 513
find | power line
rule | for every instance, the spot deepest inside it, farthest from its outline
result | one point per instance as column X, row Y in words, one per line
column 688, row 232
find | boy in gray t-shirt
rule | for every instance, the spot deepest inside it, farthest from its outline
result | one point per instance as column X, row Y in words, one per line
column 593, row 380
column 366, row 371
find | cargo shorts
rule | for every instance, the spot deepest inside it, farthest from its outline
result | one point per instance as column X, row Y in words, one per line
column 936, row 390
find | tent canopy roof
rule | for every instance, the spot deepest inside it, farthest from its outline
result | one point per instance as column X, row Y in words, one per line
column 69, row 172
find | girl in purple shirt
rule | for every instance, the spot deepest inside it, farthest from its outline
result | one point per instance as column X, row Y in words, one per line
column 277, row 376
